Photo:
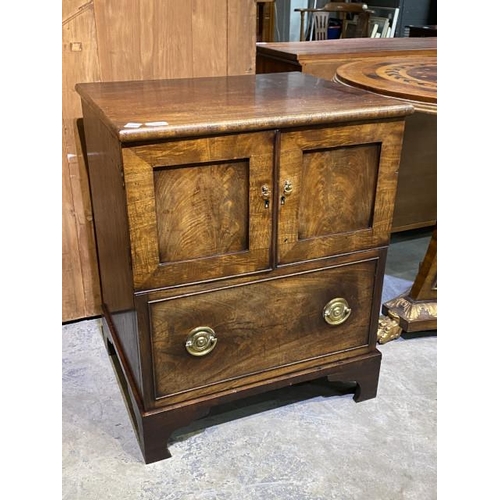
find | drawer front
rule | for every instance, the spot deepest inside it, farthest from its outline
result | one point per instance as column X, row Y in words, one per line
column 260, row 329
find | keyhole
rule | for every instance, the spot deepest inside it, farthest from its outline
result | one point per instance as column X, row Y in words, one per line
column 283, row 199
column 266, row 203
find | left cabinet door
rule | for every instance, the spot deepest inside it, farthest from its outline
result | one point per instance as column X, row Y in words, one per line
column 199, row 209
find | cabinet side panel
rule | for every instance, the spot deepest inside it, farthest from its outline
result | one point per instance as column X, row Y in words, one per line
column 112, row 235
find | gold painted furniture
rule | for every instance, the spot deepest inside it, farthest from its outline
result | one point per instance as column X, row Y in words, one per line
column 414, row 81
column 242, row 225
column 415, row 310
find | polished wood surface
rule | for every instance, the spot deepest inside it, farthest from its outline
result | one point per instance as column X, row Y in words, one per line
column 353, row 212
column 322, row 58
column 177, row 190
column 258, row 345
column 178, row 108
column 413, row 80
column 116, row 40
column 224, row 218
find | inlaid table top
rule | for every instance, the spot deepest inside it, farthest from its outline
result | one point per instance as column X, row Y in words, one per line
column 413, row 79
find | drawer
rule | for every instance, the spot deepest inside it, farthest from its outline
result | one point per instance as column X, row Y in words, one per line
column 255, row 331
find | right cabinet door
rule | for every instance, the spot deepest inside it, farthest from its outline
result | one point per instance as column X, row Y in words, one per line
column 337, row 189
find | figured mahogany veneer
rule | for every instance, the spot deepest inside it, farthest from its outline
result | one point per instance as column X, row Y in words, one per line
column 245, row 219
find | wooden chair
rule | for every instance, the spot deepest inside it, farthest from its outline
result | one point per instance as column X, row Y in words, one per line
column 320, row 24
column 361, row 9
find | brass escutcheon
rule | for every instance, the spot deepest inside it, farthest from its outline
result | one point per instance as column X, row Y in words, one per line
column 287, row 188
column 201, row 341
column 336, row 311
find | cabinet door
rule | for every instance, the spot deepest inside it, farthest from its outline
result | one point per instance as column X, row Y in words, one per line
column 337, row 188
column 197, row 208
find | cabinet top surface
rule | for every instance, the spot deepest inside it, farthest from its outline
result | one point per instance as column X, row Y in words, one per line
column 157, row 109
column 330, row 49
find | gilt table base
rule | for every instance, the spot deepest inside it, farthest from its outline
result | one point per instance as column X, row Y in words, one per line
column 416, row 309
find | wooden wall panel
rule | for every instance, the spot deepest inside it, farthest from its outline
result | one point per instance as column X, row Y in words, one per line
column 241, row 34
column 209, row 36
column 80, row 283
column 118, row 38
column 174, row 49
column 110, row 40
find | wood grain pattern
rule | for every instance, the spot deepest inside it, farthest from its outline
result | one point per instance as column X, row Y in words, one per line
column 339, row 185
column 177, row 243
column 210, row 29
column 202, row 210
column 119, row 38
column 127, row 40
column 237, row 104
column 322, row 58
column 186, row 238
column 108, row 204
column 416, row 202
column 361, row 177
column 280, row 336
column 413, row 80
column 80, row 279
column 241, row 22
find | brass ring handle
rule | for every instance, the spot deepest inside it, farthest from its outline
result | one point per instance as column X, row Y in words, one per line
column 201, row 341
column 336, row 311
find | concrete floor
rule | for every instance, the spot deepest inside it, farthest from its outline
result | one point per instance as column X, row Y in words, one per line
column 308, row 442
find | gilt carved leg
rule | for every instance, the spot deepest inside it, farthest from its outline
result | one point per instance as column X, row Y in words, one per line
column 388, row 328
column 416, row 309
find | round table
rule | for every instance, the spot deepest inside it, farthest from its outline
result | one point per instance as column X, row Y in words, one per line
column 414, row 80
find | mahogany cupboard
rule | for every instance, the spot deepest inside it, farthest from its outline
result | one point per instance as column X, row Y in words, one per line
column 241, row 226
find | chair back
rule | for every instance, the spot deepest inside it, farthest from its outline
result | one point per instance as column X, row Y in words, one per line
column 362, row 25
column 320, row 23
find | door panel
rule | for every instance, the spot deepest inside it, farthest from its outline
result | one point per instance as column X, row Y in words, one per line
column 336, row 192
column 196, row 210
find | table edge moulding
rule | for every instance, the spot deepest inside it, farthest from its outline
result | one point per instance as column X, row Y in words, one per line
column 242, row 226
